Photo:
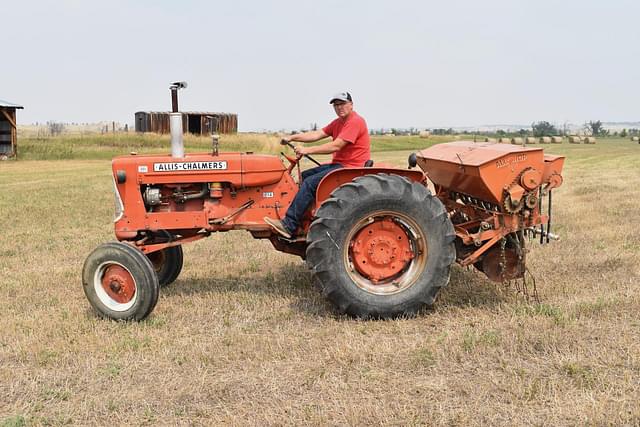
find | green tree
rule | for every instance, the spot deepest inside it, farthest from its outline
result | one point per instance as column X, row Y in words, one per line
column 543, row 128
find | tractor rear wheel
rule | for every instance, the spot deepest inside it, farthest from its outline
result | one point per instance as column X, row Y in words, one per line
column 167, row 264
column 381, row 246
column 120, row 282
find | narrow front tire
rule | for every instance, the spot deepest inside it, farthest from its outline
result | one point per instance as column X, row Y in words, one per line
column 120, row 282
column 167, row 264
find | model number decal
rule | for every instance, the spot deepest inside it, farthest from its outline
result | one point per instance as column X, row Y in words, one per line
column 267, row 194
column 189, row 166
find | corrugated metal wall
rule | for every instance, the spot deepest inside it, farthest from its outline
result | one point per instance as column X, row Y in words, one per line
column 202, row 123
column 8, row 135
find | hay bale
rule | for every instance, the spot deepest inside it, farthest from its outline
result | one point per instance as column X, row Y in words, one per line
column 589, row 140
column 635, row 139
column 517, row 140
column 425, row 134
column 556, row 140
column 504, row 140
column 575, row 139
column 545, row 140
column 531, row 140
column 489, row 139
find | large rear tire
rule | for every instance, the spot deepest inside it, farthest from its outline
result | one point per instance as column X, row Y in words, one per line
column 120, row 282
column 381, row 246
column 167, row 264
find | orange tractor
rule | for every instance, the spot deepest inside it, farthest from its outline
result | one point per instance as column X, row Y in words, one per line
column 377, row 240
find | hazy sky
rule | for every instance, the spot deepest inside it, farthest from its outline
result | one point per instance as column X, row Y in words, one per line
column 276, row 63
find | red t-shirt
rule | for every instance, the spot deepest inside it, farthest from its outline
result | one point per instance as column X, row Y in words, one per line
column 353, row 130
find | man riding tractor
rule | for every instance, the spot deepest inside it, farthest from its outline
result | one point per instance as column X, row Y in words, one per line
column 350, row 147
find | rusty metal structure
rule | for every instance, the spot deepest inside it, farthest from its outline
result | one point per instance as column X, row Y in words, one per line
column 8, row 129
column 195, row 122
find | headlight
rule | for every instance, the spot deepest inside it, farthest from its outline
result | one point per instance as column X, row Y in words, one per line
column 119, row 207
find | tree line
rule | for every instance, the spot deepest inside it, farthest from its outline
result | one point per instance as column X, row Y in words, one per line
column 538, row 129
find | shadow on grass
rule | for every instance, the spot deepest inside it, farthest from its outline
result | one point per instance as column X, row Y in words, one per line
column 293, row 281
column 470, row 288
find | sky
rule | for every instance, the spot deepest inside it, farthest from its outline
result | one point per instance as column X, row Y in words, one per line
column 277, row 63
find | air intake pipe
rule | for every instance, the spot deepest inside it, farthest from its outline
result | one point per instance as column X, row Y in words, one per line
column 175, row 121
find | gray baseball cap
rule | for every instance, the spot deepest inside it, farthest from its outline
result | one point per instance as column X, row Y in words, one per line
column 342, row 96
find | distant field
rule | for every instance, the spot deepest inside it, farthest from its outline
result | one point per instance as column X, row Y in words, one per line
column 98, row 146
column 243, row 337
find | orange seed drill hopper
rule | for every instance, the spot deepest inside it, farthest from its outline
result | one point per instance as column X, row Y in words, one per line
column 493, row 193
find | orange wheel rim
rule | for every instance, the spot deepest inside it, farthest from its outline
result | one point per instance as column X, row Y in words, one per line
column 118, row 284
column 381, row 250
column 385, row 253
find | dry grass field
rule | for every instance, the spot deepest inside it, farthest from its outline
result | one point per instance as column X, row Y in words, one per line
column 243, row 337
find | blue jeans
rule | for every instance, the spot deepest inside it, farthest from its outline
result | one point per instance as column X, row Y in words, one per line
column 307, row 193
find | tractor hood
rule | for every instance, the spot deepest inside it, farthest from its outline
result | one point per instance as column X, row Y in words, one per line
column 239, row 169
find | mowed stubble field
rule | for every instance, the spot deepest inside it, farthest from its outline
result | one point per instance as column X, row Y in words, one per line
column 243, row 337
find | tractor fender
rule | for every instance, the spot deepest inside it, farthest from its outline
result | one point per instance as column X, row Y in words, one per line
column 338, row 177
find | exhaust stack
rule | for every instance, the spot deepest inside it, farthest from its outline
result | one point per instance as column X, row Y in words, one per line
column 175, row 121
column 177, row 144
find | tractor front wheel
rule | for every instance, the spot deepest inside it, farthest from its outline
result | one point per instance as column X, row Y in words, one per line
column 120, row 282
column 167, row 264
column 381, row 246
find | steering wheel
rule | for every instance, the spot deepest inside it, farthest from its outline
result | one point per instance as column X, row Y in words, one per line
column 285, row 142
column 295, row 161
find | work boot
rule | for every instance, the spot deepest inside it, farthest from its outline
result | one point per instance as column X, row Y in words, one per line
column 278, row 226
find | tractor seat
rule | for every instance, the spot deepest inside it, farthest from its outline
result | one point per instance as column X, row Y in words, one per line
column 368, row 163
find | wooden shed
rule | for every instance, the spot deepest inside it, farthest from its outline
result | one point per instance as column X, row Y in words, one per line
column 195, row 122
column 8, row 129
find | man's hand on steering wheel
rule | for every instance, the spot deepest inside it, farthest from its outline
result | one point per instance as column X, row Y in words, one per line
column 300, row 150
column 286, row 141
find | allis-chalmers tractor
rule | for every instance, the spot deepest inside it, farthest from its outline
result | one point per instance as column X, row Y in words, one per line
column 377, row 240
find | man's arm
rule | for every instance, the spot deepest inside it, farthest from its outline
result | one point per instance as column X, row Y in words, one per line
column 310, row 136
column 327, row 148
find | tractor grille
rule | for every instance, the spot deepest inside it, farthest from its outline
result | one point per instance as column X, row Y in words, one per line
column 119, row 207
